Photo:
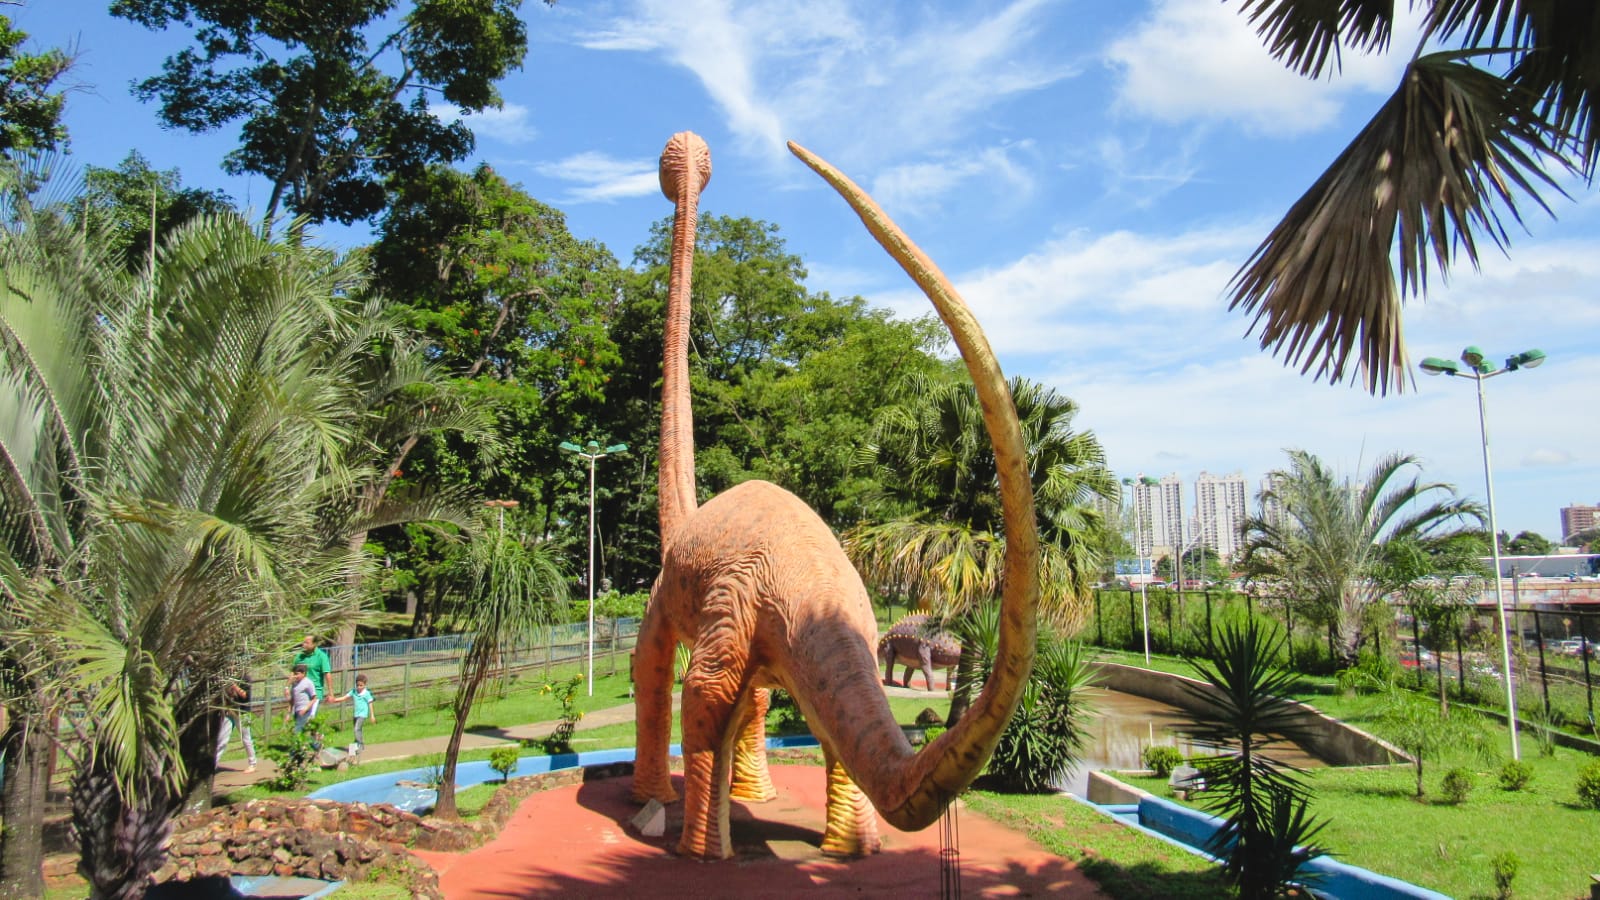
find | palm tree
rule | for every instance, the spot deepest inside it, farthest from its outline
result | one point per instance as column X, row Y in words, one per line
column 179, row 443
column 1327, row 539
column 933, row 458
column 514, row 587
column 1508, row 105
column 1237, row 709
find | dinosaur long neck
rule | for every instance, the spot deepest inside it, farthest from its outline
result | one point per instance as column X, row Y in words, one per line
column 911, row 793
column 685, row 167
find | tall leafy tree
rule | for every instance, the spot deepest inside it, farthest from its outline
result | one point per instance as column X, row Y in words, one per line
column 1504, row 107
column 520, row 315
column 336, row 98
column 30, row 94
column 134, row 207
column 1330, row 540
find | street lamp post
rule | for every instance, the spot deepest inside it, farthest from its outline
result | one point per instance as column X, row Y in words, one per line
column 502, row 505
column 1479, row 370
column 1138, row 553
column 592, row 452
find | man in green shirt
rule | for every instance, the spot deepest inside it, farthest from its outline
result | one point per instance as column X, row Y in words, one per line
column 318, row 668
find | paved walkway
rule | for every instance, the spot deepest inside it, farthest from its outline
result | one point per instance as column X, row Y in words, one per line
column 575, row 842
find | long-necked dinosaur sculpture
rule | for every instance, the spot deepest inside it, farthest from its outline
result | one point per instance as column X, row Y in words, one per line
column 756, row 583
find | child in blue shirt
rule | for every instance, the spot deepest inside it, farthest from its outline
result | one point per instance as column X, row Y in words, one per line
column 362, row 698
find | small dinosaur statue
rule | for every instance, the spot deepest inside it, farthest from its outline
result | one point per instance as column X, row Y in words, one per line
column 757, row 584
column 916, row 640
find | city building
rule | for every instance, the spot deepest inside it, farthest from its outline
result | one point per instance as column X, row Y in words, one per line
column 1578, row 518
column 1220, row 506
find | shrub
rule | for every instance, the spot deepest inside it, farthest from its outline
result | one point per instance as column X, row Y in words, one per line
column 1589, row 785
column 1505, row 871
column 1162, row 758
column 1047, row 734
column 1515, row 775
column 295, row 755
column 1457, row 785
column 784, row 715
column 504, row 761
column 560, row 740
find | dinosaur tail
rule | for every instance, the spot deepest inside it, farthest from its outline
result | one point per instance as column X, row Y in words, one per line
column 916, row 792
column 685, row 170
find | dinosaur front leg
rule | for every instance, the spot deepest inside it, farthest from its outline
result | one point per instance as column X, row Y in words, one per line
column 925, row 653
column 653, row 674
column 852, row 828
column 751, row 781
column 712, row 691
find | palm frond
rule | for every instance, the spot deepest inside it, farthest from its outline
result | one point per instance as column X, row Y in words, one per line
column 1307, row 35
column 1430, row 173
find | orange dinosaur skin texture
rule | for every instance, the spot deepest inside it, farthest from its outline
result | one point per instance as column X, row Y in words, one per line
column 756, row 583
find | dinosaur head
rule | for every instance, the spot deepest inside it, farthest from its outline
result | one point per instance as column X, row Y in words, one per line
column 686, row 157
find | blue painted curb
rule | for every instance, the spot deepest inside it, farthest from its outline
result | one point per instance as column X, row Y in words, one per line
column 387, row 788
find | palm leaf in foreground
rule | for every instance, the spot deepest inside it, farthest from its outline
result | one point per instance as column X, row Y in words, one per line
column 1430, row 172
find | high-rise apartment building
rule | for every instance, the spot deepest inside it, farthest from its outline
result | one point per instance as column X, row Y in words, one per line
column 1577, row 518
column 1219, row 508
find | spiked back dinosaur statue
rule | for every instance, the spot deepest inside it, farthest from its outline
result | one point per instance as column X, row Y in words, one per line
column 918, row 641
column 757, row 584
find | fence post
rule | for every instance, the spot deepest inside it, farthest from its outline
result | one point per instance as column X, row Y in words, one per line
column 405, row 688
column 1416, row 643
column 1544, row 674
column 1099, row 618
column 1133, row 622
column 1588, row 686
column 1209, row 634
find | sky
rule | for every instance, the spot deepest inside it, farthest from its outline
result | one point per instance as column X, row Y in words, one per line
column 1090, row 175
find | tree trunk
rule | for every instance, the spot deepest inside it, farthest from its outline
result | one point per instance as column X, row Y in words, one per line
column 27, row 748
column 120, row 846
column 445, row 806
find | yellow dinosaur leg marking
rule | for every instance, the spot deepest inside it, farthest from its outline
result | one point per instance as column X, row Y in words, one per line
column 852, row 828
column 751, row 781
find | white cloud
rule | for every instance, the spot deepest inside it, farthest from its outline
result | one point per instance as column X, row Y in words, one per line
column 508, row 125
column 850, row 79
column 915, row 189
column 597, row 177
column 1200, row 60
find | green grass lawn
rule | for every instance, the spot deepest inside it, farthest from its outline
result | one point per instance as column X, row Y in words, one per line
column 1373, row 820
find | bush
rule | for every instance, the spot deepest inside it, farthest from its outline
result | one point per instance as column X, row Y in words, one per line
column 1457, row 785
column 1515, row 775
column 1589, row 785
column 295, row 755
column 504, row 761
column 1162, row 759
column 1047, row 734
column 1505, row 871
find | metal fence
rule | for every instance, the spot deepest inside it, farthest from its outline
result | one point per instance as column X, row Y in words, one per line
column 411, row 675
column 1555, row 654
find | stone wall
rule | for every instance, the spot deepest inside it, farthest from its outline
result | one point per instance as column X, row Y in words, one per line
column 1334, row 742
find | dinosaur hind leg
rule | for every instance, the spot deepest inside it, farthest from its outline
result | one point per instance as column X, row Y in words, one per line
column 852, row 828
column 653, row 675
column 751, row 781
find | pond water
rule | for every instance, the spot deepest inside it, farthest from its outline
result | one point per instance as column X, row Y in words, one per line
column 1125, row 724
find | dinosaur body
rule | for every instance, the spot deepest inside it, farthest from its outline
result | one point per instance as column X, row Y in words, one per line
column 916, row 640
column 757, row 585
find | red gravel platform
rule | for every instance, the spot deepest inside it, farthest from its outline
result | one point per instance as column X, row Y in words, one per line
column 575, row 842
